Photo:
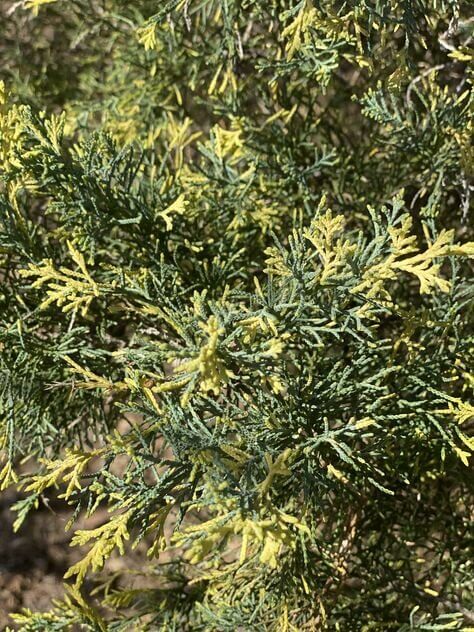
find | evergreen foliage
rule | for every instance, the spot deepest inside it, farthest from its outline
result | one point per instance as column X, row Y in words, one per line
column 245, row 227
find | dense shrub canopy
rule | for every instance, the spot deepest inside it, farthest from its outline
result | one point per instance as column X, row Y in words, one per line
column 237, row 307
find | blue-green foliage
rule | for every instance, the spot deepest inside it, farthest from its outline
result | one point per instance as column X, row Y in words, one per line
column 236, row 300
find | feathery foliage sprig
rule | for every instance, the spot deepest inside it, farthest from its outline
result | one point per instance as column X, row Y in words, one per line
column 236, row 244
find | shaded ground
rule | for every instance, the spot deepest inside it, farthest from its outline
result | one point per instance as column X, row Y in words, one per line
column 32, row 561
